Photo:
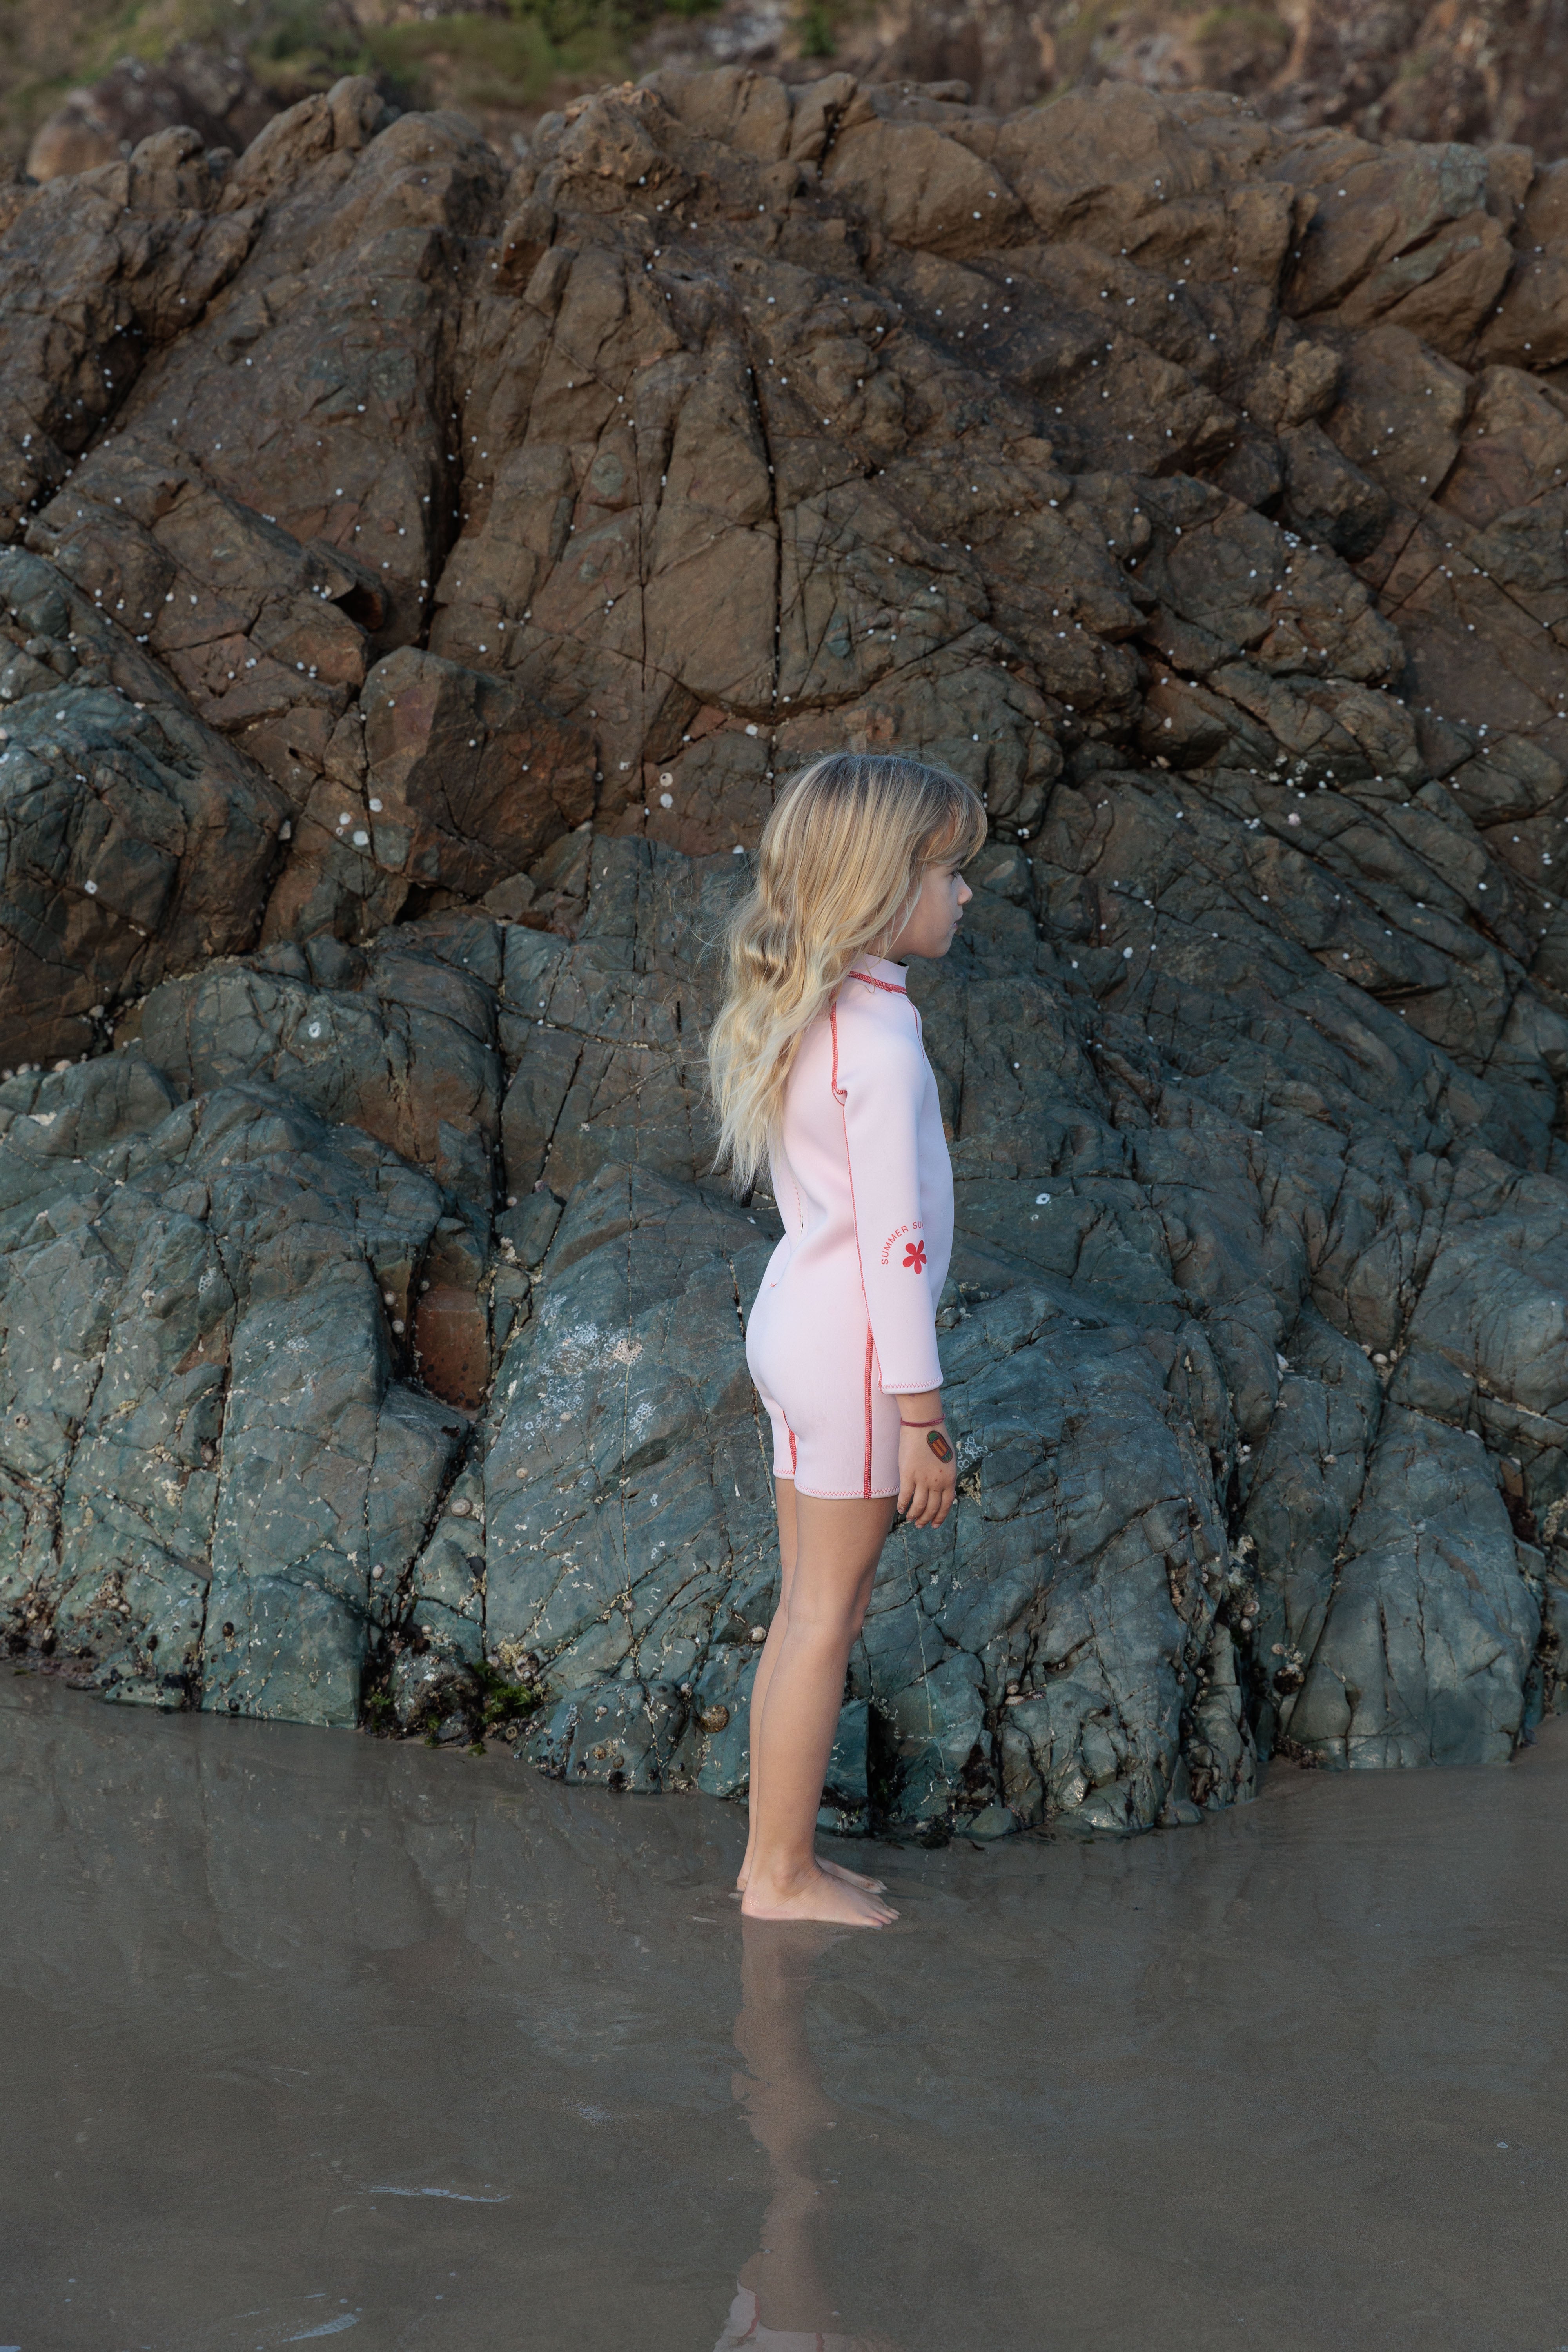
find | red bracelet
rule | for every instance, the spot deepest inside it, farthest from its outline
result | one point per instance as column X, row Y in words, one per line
column 922, row 1424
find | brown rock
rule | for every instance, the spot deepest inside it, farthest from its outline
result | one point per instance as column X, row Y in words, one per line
column 452, row 1341
column 923, row 189
column 136, row 841
column 97, row 273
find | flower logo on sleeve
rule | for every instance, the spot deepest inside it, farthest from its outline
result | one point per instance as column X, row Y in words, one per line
column 915, row 1255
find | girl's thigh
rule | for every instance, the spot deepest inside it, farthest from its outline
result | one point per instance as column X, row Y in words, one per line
column 836, row 1546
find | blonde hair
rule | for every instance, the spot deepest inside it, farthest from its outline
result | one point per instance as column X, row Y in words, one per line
column 839, row 867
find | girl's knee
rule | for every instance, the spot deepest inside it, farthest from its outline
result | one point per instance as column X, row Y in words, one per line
column 822, row 1622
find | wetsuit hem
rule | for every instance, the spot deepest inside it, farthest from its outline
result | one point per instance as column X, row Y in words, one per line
column 846, row 1493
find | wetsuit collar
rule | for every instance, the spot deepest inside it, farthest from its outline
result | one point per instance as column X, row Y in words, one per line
column 880, row 973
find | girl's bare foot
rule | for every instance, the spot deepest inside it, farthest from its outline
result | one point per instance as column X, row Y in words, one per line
column 831, row 1870
column 819, row 1896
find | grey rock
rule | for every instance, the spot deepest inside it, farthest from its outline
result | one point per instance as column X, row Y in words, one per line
column 400, row 1043
column 203, row 1439
column 1433, row 1626
column 615, row 1735
column 845, row 1791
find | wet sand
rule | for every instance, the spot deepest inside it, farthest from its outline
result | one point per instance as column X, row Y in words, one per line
column 308, row 2036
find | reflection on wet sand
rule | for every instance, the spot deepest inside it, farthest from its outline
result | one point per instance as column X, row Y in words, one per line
column 783, row 2304
column 312, row 2035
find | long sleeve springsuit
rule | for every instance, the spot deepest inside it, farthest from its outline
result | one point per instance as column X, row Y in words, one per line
column 845, row 1322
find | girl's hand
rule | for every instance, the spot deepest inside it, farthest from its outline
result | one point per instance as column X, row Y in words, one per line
column 928, row 1466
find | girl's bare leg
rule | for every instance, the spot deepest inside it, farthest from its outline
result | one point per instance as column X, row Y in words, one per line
column 836, row 1549
column 784, row 1491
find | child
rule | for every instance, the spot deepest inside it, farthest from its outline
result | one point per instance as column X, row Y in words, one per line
column 819, row 1069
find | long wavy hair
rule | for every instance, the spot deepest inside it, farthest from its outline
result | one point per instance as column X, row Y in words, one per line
column 839, row 867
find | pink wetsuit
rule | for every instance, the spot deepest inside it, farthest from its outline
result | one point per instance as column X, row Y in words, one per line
column 845, row 1322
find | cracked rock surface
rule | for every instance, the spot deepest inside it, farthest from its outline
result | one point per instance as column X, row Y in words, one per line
column 417, row 582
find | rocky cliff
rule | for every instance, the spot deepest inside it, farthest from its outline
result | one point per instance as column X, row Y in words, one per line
column 417, row 582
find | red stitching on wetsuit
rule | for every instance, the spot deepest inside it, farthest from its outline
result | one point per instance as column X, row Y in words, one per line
column 888, row 987
column 790, row 1434
column 866, row 1490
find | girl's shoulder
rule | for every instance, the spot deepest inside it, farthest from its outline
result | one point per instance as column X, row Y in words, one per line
column 876, row 1028
column 877, row 1003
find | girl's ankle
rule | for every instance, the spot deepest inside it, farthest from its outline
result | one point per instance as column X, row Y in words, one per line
column 784, row 1880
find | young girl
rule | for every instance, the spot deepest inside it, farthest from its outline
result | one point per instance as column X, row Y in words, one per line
column 818, row 1070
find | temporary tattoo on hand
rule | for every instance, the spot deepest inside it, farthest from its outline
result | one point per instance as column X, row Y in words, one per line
column 939, row 1446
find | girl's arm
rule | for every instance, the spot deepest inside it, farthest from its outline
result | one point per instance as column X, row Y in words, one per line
column 879, row 1081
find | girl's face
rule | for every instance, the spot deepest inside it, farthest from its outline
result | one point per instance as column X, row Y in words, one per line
column 929, row 927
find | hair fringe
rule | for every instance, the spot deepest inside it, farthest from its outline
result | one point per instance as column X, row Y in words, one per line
column 840, row 866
